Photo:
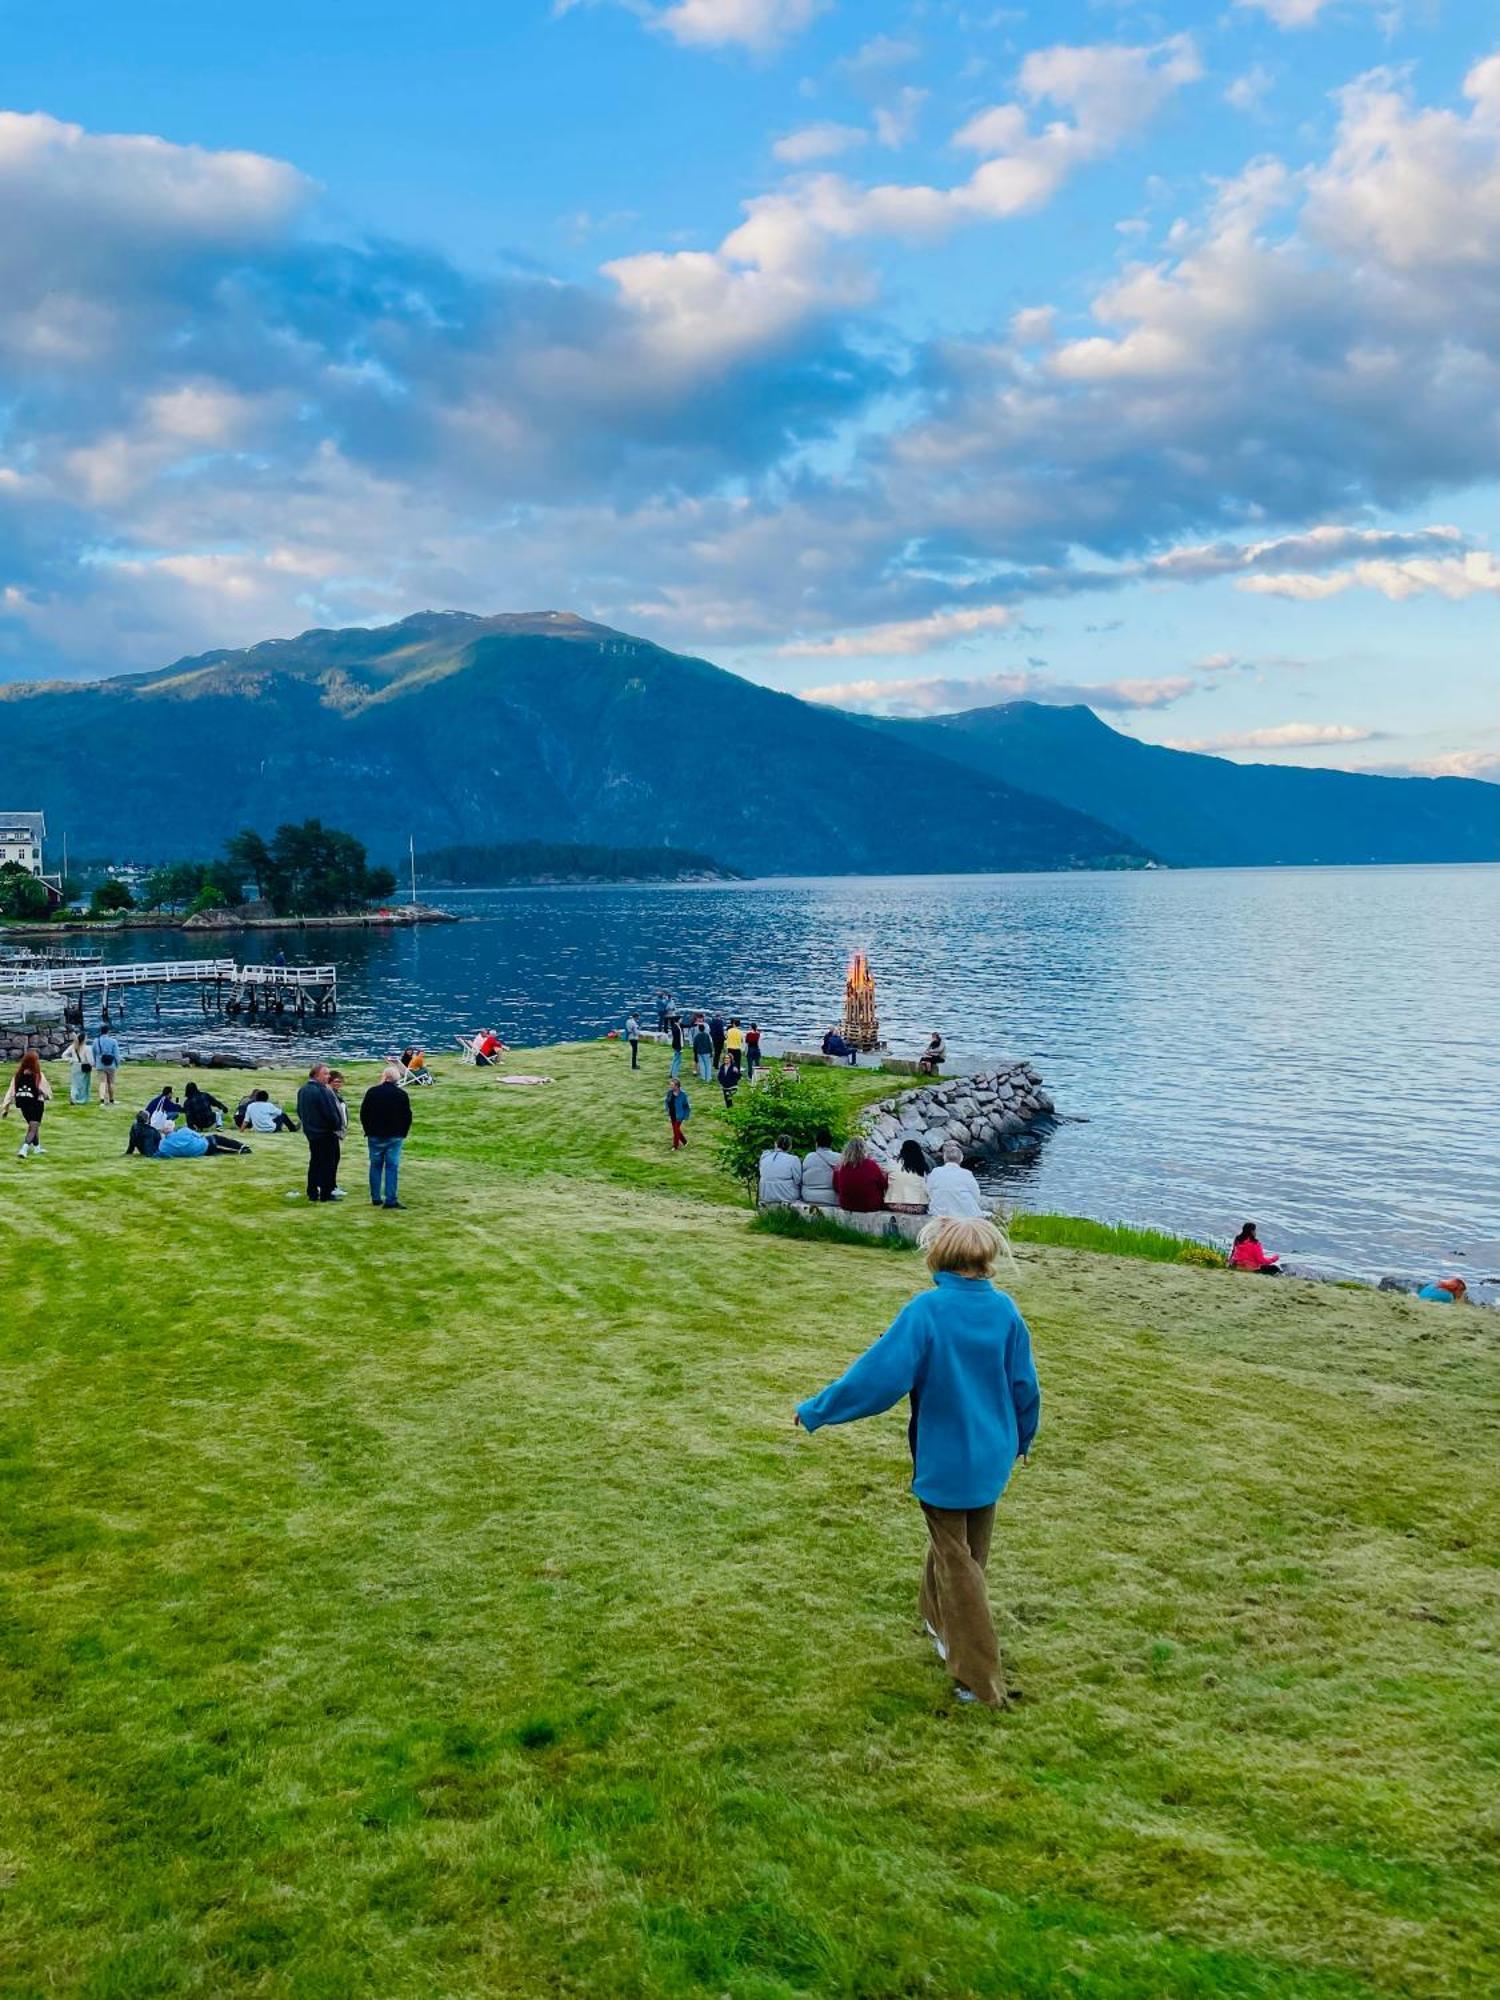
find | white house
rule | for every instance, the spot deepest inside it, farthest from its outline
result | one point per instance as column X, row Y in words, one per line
column 21, row 837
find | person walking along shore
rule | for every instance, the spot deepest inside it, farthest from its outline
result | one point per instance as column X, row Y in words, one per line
column 322, row 1121
column 385, row 1120
column 962, row 1353
column 679, row 1111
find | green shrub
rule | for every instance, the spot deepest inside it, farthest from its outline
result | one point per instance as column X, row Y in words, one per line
column 825, row 1229
column 779, row 1102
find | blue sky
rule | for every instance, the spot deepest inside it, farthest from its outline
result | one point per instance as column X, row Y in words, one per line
column 908, row 353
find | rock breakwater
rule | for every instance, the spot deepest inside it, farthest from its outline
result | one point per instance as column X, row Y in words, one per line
column 989, row 1114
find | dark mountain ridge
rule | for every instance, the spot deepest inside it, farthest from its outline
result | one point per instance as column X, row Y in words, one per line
column 1194, row 810
column 453, row 728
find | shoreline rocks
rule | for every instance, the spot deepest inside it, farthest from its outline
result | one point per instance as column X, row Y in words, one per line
column 990, row 1113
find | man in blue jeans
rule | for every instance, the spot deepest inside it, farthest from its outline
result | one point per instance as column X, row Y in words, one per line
column 385, row 1120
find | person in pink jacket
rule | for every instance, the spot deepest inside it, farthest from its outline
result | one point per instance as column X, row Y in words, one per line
column 1247, row 1254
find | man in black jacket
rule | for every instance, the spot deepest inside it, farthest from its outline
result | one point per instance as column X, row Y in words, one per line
column 385, row 1119
column 322, row 1121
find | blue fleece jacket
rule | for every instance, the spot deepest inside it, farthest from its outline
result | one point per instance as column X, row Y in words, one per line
column 962, row 1353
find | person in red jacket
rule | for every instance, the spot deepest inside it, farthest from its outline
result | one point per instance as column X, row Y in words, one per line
column 859, row 1181
column 1247, row 1254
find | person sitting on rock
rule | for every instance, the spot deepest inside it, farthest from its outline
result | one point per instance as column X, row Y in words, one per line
column 1247, row 1254
column 818, row 1170
column 906, row 1188
column 780, row 1174
column 951, row 1188
column 836, row 1048
column 859, row 1181
column 932, row 1058
column 1446, row 1292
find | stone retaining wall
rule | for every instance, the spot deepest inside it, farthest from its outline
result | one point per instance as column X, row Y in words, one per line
column 990, row 1113
column 28, row 1022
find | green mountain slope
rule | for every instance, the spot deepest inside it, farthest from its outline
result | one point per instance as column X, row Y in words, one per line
column 1197, row 811
column 458, row 729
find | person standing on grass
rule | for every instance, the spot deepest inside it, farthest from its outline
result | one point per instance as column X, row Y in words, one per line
column 385, row 1120
column 716, row 1038
column 752, row 1050
column 729, row 1076
column 703, row 1050
column 679, row 1111
column 962, row 1353
column 106, row 1064
column 29, row 1094
column 633, row 1036
column 79, row 1056
column 322, row 1123
column 674, row 1029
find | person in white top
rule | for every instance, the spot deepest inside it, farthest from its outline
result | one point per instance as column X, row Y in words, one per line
column 906, row 1189
column 79, row 1056
column 951, row 1188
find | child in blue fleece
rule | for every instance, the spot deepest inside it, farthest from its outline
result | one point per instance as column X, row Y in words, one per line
column 962, row 1353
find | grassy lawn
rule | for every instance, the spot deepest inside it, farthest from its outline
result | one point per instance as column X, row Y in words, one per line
column 441, row 1604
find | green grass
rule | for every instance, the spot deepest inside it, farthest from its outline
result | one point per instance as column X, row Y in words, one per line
column 1113, row 1239
column 442, row 1604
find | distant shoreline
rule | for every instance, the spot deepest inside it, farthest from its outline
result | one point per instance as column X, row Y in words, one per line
column 398, row 917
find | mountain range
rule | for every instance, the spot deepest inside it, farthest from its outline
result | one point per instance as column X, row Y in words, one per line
column 452, row 728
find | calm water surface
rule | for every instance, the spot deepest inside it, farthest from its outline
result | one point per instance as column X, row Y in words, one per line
column 1314, row 1048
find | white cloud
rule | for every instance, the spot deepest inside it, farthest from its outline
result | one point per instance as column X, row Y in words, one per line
column 896, row 121
column 913, row 635
column 943, row 696
column 759, row 25
column 1453, row 577
column 1483, row 764
column 823, row 141
column 1283, row 736
column 1248, row 90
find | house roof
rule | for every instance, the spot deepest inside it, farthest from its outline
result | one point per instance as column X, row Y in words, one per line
column 23, row 826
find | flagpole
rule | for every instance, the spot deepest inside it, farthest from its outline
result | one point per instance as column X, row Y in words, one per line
column 411, row 843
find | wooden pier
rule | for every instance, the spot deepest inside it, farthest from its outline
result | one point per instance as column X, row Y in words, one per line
column 224, row 987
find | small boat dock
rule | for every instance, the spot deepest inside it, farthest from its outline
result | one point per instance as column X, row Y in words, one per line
column 224, row 986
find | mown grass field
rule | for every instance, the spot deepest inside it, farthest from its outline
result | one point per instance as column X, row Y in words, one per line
column 441, row 1604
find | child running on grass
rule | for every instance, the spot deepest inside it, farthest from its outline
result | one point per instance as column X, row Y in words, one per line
column 962, row 1353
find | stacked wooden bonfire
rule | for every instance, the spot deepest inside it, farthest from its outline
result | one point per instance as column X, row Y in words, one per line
column 861, row 1023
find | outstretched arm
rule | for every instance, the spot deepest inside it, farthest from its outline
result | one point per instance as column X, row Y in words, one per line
column 881, row 1376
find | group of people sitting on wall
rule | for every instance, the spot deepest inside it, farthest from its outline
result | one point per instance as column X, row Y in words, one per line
column 855, row 1181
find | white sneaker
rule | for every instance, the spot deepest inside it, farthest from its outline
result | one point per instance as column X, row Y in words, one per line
column 24, row 1152
column 962, row 1693
column 933, row 1634
column 36, row 1149
column 338, row 1194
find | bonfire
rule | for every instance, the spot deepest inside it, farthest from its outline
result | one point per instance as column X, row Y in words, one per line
column 861, row 1022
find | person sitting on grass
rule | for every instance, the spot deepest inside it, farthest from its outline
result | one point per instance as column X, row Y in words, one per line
column 142, row 1138
column 962, row 1353
column 859, row 1181
column 260, row 1113
column 780, row 1174
column 906, row 1189
column 164, row 1109
column 201, row 1109
column 186, row 1144
column 1246, row 1254
column 679, row 1111
column 951, row 1188
column 1446, row 1292
column 818, row 1170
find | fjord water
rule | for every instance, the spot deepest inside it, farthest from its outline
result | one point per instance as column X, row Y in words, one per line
column 1313, row 1048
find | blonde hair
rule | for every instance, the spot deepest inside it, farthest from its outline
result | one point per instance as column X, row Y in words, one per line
column 966, row 1244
